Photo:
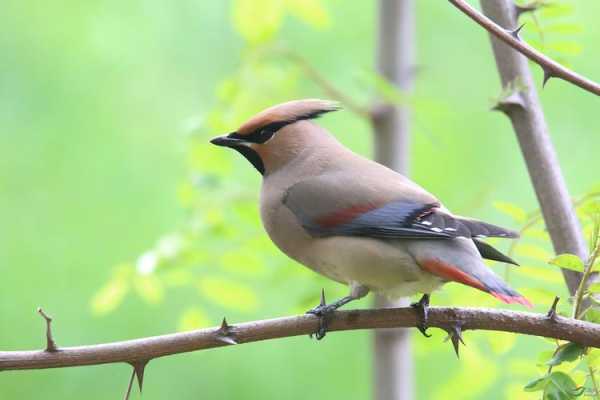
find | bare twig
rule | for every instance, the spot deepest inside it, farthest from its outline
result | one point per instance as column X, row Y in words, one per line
column 551, row 68
column 587, row 272
column 142, row 350
column 50, row 343
column 130, row 385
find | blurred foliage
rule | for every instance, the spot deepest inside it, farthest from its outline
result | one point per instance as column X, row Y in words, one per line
column 222, row 252
column 554, row 28
column 95, row 100
column 569, row 372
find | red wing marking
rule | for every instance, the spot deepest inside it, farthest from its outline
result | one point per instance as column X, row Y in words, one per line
column 345, row 215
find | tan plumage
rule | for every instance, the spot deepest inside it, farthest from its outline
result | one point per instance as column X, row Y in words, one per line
column 354, row 220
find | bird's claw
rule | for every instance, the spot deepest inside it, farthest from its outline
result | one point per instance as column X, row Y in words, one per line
column 422, row 308
column 323, row 310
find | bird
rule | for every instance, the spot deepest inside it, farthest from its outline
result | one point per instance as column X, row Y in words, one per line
column 356, row 221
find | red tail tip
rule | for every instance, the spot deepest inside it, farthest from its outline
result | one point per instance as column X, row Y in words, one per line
column 512, row 299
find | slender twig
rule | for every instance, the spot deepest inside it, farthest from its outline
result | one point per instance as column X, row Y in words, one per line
column 145, row 349
column 130, row 385
column 587, row 272
column 50, row 343
column 551, row 68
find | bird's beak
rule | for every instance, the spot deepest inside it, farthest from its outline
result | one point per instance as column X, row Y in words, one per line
column 228, row 141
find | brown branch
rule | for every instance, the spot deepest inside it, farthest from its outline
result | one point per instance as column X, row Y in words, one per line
column 551, row 68
column 142, row 350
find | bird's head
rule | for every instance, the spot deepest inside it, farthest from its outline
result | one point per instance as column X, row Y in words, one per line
column 276, row 135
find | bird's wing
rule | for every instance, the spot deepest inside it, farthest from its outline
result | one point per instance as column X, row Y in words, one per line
column 340, row 204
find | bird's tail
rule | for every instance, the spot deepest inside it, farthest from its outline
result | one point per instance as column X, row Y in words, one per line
column 458, row 260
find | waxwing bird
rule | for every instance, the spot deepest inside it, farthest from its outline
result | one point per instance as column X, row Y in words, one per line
column 356, row 221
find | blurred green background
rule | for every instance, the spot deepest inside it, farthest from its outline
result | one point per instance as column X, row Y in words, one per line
column 105, row 109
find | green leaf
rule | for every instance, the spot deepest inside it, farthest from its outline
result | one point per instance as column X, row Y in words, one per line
column 512, row 210
column 594, row 288
column 566, row 47
column 537, row 384
column 561, row 387
column 568, row 261
column 566, row 352
column 543, row 274
column 557, row 10
column 192, row 318
column 533, row 251
column 593, row 315
column 257, row 20
column 149, row 288
column 593, row 357
column 229, row 294
column 111, row 295
column 564, row 28
column 501, row 342
column 243, row 262
column 310, row 11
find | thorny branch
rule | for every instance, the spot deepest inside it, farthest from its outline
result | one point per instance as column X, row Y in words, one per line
column 139, row 352
column 551, row 68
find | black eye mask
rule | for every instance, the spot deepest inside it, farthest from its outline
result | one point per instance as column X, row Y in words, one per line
column 261, row 135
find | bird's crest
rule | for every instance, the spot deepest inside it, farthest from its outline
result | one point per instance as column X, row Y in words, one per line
column 286, row 113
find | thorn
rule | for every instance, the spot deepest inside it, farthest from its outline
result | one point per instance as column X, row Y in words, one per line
column 224, row 329
column 226, row 339
column 455, row 335
column 551, row 315
column 225, row 334
column 50, row 343
column 139, row 368
column 515, row 33
column 547, row 75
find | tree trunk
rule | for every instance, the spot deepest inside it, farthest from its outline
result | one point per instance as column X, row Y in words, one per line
column 527, row 117
column 393, row 363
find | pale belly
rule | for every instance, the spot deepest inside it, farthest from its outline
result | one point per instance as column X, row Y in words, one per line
column 384, row 267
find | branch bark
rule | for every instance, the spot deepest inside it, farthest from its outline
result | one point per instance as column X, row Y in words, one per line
column 146, row 349
column 510, row 36
column 527, row 117
column 393, row 370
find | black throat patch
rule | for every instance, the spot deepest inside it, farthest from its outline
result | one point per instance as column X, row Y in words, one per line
column 251, row 156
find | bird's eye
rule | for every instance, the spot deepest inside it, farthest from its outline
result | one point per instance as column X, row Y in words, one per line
column 265, row 134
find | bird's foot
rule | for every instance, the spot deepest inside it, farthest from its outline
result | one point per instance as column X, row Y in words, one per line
column 422, row 308
column 323, row 311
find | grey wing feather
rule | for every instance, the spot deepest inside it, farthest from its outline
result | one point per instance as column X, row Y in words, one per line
column 325, row 208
